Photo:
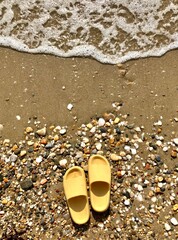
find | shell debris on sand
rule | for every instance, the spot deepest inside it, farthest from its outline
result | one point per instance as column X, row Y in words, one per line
column 70, row 106
column 143, row 188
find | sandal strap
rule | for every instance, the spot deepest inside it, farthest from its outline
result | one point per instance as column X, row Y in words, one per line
column 75, row 187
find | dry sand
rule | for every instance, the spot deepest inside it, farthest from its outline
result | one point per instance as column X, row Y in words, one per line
column 32, row 87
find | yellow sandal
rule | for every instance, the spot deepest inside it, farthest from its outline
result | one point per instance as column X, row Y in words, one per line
column 100, row 182
column 75, row 189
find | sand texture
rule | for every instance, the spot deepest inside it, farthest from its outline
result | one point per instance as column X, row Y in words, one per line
column 32, row 87
column 126, row 112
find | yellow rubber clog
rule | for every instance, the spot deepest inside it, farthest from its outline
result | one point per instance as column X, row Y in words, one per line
column 75, row 190
column 100, row 182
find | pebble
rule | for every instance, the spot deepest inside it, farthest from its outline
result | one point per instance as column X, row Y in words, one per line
column 18, row 117
column 160, row 179
column 86, row 140
column 109, row 116
column 152, row 210
column 57, row 128
column 43, row 181
column 157, row 190
column 52, row 155
column 158, row 123
column 128, row 157
column 120, row 174
column 101, row 122
column 137, row 129
column 101, row 225
column 29, row 129
column 173, row 154
column 158, row 158
column 89, row 125
column 70, row 106
column 19, row 175
column 175, row 207
column 127, row 202
column 174, row 221
column 133, row 151
column 56, row 138
column 140, row 188
column 139, row 197
column 83, row 144
column 54, row 167
column 158, row 143
column 63, row 131
column 167, row 227
column 175, row 140
column 127, row 148
column 13, row 158
column 114, row 157
column 24, row 160
column 49, row 145
column 118, row 131
column 154, row 199
column 122, row 154
column 43, row 141
column 63, row 162
column 6, row 141
column 39, row 159
column 30, row 143
column 159, row 130
column 23, row 153
column 123, row 172
column 93, row 130
column 116, row 120
column 98, row 146
column 26, row 184
column 41, row 132
column 79, row 154
column 4, row 201
column 165, row 149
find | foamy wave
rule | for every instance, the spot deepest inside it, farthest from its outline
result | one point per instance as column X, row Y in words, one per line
column 111, row 31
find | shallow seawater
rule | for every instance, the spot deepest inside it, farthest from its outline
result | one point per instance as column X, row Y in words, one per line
column 110, row 31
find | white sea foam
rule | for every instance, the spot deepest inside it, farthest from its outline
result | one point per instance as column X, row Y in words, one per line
column 110, row 31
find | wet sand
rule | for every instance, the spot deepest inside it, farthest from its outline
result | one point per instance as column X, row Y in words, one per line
column 41, row 86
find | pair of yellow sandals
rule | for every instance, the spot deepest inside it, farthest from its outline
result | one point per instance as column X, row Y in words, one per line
column 75, row 188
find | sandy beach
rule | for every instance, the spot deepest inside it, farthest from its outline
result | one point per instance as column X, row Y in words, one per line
column 35, row 91
column 41, row 87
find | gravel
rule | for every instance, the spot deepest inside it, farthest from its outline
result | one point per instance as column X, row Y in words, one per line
column 26, row 184
column 144, row 199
